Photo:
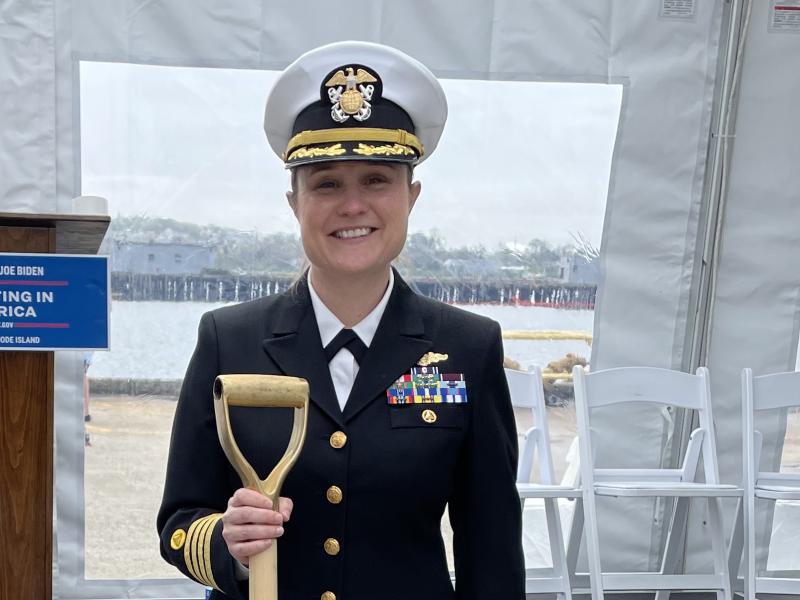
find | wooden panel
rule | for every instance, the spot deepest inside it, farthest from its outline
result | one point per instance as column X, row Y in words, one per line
column 26, row 452
column 75, row 234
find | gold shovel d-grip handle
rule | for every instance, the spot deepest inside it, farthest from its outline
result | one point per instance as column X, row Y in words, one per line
column 262, row 391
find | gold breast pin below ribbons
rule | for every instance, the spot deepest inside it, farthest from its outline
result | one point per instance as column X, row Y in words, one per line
column 431, row 358
column 429, row 416
column 262, row 391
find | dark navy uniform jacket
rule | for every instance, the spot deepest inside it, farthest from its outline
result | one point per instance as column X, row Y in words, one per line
column 374, row 478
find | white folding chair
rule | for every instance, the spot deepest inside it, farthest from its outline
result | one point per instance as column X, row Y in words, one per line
column 664, row 387
column 527, row 392
column 767, row 392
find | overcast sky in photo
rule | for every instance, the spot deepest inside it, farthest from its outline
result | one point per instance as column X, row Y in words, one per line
column 517, row 160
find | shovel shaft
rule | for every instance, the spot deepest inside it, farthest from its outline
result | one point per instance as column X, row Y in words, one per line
column 264, row 574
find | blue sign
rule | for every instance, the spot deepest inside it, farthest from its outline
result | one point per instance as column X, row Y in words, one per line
column 53, row 302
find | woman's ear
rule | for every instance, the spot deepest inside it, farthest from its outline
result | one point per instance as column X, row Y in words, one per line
column 291, row 197
column 416, row 188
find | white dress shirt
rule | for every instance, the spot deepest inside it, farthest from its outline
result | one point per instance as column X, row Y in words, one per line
column 343, row 366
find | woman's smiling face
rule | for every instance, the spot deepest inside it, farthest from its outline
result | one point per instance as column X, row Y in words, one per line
column 353, row 214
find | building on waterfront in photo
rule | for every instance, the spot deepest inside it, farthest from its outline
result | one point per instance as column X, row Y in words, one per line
column 577, row 269
column 154, row 258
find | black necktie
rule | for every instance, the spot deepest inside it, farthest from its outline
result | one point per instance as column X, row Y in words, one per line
column 346, row 338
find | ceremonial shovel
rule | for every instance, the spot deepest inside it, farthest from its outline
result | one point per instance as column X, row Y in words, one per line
column 262, row 391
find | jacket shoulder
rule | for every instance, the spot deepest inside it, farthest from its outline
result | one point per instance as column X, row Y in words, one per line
column 454, row 319
column 244, row 315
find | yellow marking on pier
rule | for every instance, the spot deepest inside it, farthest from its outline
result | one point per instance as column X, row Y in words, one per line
column 547, row 334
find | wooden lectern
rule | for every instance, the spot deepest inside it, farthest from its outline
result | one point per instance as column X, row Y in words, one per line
column 26, row 418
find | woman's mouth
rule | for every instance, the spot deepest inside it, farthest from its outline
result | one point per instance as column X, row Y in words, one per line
column 352, row 233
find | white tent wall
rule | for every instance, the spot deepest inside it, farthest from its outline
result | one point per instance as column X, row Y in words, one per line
column 649, row 243
column 27, row 97
column 756, row 307
column 651, row 228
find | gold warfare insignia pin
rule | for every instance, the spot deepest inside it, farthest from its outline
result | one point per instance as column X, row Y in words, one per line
column 177, row 539
column 431, row 358
column 350, row 94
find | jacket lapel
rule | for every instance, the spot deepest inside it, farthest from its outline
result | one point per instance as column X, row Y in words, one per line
column 296, row 348
column 398, row 343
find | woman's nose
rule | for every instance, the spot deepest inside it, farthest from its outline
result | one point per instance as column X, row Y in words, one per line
column 353, row 201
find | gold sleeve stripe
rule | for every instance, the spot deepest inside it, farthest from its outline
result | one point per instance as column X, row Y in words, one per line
column 199, row 562
column 197, row 549
column 187, row 550
column 202, row 558
column 207, row 550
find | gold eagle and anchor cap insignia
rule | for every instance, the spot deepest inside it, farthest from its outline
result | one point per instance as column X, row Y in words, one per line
column 347, row 99
column 355, row 101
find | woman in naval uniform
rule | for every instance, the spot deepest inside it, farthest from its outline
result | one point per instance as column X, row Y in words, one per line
column 363, row 504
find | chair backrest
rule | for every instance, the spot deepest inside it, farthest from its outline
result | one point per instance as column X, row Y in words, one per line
column 650, row 385
column 527, row 392
column 765, row 392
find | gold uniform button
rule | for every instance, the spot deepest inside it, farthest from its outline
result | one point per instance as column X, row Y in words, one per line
column 334, row 494
column 332, row 546
column 429, row 416
column 338, row 439
column 328, row 596
column 177, row 539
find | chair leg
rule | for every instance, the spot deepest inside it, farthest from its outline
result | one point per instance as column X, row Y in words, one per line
column 575, row 534
column 718, row 547
column 750, row 547
column 736, row 549
column 675, row 538
column 557, row 552
column 592, row 537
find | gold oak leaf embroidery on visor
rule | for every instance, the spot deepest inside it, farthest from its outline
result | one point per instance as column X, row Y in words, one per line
column 385, row 150
column 335, row 150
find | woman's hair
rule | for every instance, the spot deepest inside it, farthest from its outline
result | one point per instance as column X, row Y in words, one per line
column 305, row 265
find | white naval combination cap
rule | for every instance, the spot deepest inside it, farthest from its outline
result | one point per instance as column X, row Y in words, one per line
column 355, row 101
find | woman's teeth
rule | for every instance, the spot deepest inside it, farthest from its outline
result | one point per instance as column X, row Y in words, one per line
column 345, row 234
